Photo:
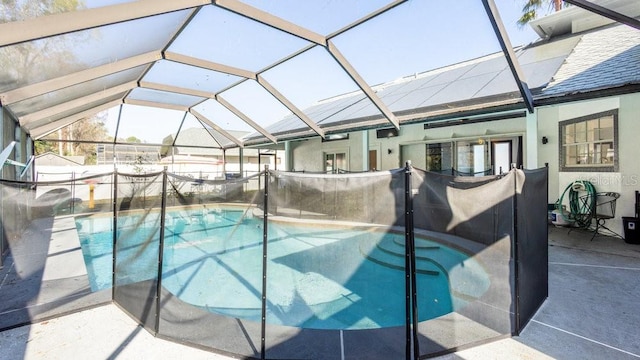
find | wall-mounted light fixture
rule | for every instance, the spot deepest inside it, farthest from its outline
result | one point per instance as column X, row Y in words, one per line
column 545, row 140
column 389, row 151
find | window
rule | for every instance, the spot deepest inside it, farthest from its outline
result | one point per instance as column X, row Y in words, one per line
column 439, row 157
column 473, row 158
column 589, row 143
column 501, row 155
column 334, row 137
column 477, row 157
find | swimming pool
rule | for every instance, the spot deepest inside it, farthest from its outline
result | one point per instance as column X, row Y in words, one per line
column 320, row 277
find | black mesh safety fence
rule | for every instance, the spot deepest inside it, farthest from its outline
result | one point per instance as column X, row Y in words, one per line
column 212, row 264
column 358, row 197
column 336, row 269
column 464, row 227
column 532, row 272
column 389, row 264
column 45, row 249
column 136, row 245
column 473, row 222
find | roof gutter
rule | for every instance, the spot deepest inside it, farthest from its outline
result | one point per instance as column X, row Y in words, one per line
column 589, row 95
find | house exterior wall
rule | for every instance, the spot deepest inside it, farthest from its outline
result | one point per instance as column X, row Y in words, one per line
column 393, row 152
column 308, row 155
column 629, row 135
column 624, row 181
column 414, row 137
column 548, row 122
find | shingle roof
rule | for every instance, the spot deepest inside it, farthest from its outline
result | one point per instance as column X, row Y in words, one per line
column 604, row 58
column 201, row 141
column 51, row 158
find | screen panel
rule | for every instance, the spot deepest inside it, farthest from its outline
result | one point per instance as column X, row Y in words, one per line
column 336, row 266
column 465, row 225
column 137, row 246
column 212, row 262
column 43, row 250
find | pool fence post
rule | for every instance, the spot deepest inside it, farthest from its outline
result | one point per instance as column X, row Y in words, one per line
column 411, row 307
column 163, row 211
column 516, row 257
column 276, row 181
column 115, row 233
column 264, row 262
column 73, row 192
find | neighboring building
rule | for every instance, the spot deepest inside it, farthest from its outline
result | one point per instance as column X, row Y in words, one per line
column 193, row 147
column 127, row 154
column 52, row 159
column 584, row 74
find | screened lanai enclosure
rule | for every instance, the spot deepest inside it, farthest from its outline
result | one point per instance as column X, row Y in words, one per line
column 152, row 70
column 255, row 261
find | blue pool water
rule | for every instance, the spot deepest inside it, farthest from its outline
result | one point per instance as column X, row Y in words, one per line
column 318, row 276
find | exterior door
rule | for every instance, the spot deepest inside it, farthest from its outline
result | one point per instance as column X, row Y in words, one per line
column 373, row 160
column 501, row 156
column 335, row 163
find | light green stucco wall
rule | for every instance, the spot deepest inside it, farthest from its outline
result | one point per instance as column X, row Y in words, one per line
column 410, row 145
column 626, row 180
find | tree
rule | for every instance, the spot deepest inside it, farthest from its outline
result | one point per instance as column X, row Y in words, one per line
column 133, row 140
column 531, row 9
column 35, row 61
column 43, row 146
column 76, row 139
column 52, row 55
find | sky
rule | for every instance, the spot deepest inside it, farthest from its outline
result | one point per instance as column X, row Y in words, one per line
column 414, row 37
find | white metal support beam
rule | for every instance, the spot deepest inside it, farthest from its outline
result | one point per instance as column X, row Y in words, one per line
column 44, row 130
column 510, row 55
column 156, row 104
column 351, row 71
column 217, row 128
column 52, row 111
column 63, row 23
column 366, row 18
column 204, row 64
column 246, row 119
column 271, row 20
column 115, row 135
column 177, row 90
column 173, row 38
column 62, row 82
column 27, row 166
column 289, row 105
column 4, row 155
column 184, row 117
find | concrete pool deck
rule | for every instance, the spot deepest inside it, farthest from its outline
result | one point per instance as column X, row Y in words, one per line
column 593, row 312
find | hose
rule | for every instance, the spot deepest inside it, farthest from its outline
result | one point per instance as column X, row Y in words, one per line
column 582, row 203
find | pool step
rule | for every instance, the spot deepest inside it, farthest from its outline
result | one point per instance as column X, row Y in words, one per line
column 390, row 254
column 420, row 244
column 467, row 279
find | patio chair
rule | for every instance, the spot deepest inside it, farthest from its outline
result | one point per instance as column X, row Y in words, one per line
column 604, row 210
